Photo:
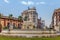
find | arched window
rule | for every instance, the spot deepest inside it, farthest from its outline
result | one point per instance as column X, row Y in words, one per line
column 19, row 26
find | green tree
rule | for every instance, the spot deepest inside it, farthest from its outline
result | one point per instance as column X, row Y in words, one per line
column 0, row 17
column 20, row 18
column 10, row 16
column 26, row 18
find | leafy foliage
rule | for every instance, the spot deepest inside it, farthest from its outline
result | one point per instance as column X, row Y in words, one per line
column 25, row 19
column 10, row 16
column 20, row 18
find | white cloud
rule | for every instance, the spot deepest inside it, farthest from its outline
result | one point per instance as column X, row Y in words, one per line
column 32, row 3
column 23, row 2
column 6, row 1
column 42, row 3
column 27, row 3
column 38, row 3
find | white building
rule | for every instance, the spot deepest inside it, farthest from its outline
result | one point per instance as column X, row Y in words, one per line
column 56, row 20
column 42, row 24
column 30, row 17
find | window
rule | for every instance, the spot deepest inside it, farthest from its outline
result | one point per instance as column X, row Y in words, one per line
column 34, row 20
column 59, row 13
column 27, row 27
column 14, row 26
column 19, row 26
column 8, row 25
column 34, row 16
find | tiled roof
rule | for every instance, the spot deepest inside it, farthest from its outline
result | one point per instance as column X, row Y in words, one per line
column 6, row 17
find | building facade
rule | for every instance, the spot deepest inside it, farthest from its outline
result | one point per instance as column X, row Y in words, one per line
column 56, row 19
column 4, row 20
column 31, row 18
column 42, row 24
column 39, row 24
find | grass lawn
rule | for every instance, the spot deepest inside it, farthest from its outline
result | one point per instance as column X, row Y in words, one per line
column 22, row 38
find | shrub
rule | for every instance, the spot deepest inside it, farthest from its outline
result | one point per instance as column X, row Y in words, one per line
column 5, row 28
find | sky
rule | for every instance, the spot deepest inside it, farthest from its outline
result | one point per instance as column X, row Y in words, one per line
column 44, row 8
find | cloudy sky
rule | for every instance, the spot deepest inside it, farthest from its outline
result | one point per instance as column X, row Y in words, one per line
column 44, row 8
